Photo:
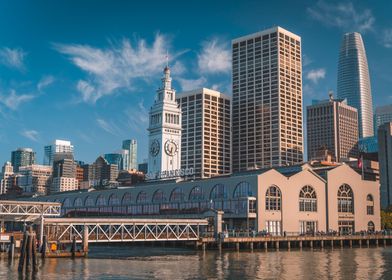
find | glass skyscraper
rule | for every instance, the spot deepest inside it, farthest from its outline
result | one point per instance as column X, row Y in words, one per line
column 131, row 146
column 354, row 81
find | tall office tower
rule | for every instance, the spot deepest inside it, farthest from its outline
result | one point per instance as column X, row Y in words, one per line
column 22, row 157
column 64, row 176
column 383, row 114
column 100, row 173
column 205, row 140
column 35, row 179
column 332, row 125
column 119, row 158
column 58, row 147
column 267, row 100
column 384, row 137
column 164, row 157
column 131, row 147
column 7, row 174
column 354, row 81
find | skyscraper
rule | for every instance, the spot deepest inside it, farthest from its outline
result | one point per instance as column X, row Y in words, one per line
column 332, row 125
column 131, row 146
column 119, row 158
column 205, row 140
column 58, row 147
column 384, row 135
column 383, row 114
column 7, row 174
column 267, row 100
column 22, row 157
column 354, row 81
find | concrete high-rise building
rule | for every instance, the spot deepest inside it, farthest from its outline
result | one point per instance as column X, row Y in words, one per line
column 58, row 147
column 130, row 146
column 35, row 179
column 354, row 81
column 205, row 140
column 332, row 125
column 384, row 135
column 7, row 174
column 164, row 157
column 383, row 114
column 267, row 100
column 64, row 176
column 22, row 157
column 100, row 173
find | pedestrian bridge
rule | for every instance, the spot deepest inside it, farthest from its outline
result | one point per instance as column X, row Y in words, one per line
column 104, row 230
column 15, row 210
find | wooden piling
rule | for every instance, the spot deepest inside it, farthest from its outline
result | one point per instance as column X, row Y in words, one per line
column 351, row 243
column 367, row 243
column 251, row 246
column 288, row 245
column 22, row 256
column 376, row 242
column 277, row 245
column 341, row 243
column 300, row 244
column 11, row 251
column 322, row 244
column 266, row 245
column 85, row 240
column 73, row 247
column 237, row 246
column 34, row 252
column 311, row 244
column 44, row 246
column 29, row 251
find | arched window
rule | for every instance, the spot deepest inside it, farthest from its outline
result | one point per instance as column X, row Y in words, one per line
column 307, row 199
column 345, row 199
column 370, row 226
column 159, row 196
column 219, row 191
column 177, row 194
column 101, row 201
column 369, row 205
column 141, row 197
column 114, row 200
column 242, row 190
column 88, row 201
column 126, row 199
column 196, row 193
column 78, row 202
column 67, row 203
column 273, row 199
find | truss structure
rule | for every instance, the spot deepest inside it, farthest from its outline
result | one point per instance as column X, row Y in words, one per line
column 122, row 230
column 28, row 210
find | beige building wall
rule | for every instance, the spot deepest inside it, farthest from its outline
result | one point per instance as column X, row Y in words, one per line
column 345, row 175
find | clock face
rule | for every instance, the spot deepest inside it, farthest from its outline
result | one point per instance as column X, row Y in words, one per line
column 154, row 148
column 171, row 147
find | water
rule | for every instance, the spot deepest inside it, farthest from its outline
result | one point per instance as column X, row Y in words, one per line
column 171, row 263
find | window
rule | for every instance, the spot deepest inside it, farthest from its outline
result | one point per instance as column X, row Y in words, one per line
column 219, row 191
column 67, row 203
column 307, row 227
column 242, row 190
column 78, row 202
column 141, row 197
column 158, row 196
column 88, row 201
column 196, row 194
column 345, row 199
column 126, row 199
column 273, row 227
column 177, row 194
column 113, row 200
column 100, row 200
column 369, row 205
column 307, row 200
column 371, row 227
column 273, row 199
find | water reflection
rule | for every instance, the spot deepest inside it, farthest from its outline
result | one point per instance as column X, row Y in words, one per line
column 171, row 263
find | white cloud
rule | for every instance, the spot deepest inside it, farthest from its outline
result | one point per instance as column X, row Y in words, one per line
column 342, row 15
column 306, row 60
column 215, row 57
column 108, row 127
column 13, row 58
column 387, row 38
column 178, row 68
column 191, row 84
column 315, row 75
column 45, row 82
column 117, row 67
column 137, row 118
column 13, row 100
column 30, row 134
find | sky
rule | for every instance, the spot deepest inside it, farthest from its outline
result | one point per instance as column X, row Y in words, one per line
column 87, row 71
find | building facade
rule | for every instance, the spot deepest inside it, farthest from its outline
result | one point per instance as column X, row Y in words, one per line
column 99, row 174
column 58, row 147
column 383, row 114
column 164, row 157
column 120, row 158
column 296, row 199
column 384, row 134
column 354, row 81
column 131, row 146
column 267, row 100
column 35, row 179
column 22, row 157
column 332, row 125
column 64, row 176
column 206, row 133
column 7, row 174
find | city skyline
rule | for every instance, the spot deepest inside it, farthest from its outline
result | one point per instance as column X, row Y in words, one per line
column 95, row 101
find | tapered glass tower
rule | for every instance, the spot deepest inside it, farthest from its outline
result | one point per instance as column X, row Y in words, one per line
column 354, row 81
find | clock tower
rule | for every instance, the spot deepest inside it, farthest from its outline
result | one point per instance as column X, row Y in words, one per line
column 164, row 153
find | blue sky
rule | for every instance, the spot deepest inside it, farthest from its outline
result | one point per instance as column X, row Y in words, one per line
column 87, row 71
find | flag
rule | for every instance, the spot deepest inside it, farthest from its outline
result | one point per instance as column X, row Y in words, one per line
column 360, row 163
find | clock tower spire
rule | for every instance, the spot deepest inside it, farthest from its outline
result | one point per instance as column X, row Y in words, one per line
column 164, row 158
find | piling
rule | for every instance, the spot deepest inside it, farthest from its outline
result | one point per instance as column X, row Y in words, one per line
column 251, row 246
column 351, row 243
column 237, row 246
column 385, row 242
column 300, row 244
column 367, row 243
column 288, row 245
column 44, row 246
column 277, row 245
column 11, row 251
column 376, row 242
column 23, row 248
column 322, row 244
column 73, row 247
column 85, row 240
column 341, row 243
column 266, row 245
column 311, row 244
